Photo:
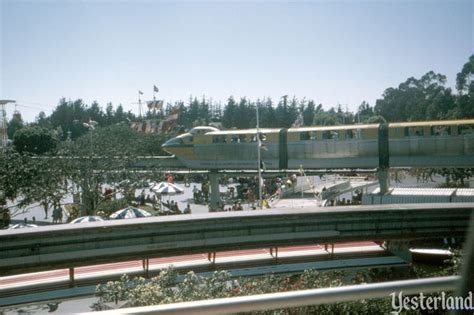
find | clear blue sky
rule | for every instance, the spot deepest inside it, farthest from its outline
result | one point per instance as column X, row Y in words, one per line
column 333, row 52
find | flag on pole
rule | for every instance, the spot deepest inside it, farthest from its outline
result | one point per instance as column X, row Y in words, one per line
column 155, row 89
column 140, row 92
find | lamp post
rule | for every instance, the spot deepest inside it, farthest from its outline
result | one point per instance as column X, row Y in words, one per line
column 90, row 126
column 260, row 182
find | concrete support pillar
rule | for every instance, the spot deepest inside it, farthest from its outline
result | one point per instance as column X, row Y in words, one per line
column 71, row 278
column 212, row 257
column 400, row 249
column 146, row 267
column 383, row 181
column 215, row 194
column 274, row 253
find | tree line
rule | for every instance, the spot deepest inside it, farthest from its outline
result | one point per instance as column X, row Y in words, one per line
column 424, row 98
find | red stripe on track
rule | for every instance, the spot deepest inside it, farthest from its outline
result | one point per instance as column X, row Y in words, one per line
column 164, row 260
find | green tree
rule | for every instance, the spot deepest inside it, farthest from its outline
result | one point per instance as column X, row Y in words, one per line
column 465, row 87
column 323, row 118
column 15, row 124
column 426, row 98
column 229, row 116
column 43, row 121
column 26, row 179
column 69, row 116
column 365, row 111
column 104, row 156
column 35, row 139
column 308, row 113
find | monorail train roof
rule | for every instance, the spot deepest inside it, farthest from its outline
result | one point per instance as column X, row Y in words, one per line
column 345, row 127
column 244, row 131
column 432, row 123
column 338, row 127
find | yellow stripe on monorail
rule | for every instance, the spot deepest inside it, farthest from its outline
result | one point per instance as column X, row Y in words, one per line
column 336, row 127
column 243, row 131
column 432, row 123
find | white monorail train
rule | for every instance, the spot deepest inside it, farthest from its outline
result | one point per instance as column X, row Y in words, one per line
column 447, row 143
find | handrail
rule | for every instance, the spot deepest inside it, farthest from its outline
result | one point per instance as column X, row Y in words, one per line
column 295, row 298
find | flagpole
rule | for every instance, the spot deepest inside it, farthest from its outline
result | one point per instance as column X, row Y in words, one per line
column 258, row 164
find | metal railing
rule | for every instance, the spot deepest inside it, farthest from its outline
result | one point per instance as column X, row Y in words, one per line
column 296, row 298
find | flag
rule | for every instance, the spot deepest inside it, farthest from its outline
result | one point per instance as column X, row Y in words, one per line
column 155, row 105
column 140, row 92
column 155, row 89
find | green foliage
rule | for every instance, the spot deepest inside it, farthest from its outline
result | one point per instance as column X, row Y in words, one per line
column 164, row 288
column 107, row 207
column 376, row 119
column 35, row 139
column 465, row 86
column 426, row 98
column 31, row 179
column 464, row 82
column 455, row 177
column 70, row 116
column 15, row 124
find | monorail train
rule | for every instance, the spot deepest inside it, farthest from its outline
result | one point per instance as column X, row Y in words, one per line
column 410, row 144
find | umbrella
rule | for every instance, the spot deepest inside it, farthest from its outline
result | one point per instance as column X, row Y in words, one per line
column 165, row 188
column 22, row 226
column 88, row 218
column 129, row 213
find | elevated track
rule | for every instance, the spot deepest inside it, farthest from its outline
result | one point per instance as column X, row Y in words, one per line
column 67, row 246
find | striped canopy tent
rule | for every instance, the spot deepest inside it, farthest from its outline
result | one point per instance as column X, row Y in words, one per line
column 22, row 226
column 165, row 188
column 130, row 213
column 89, row 218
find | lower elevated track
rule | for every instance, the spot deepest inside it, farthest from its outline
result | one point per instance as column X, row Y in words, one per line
column 69, row 246
column 56, row 285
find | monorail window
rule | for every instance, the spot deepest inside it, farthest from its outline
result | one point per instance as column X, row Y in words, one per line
column 242, row 138
column 466, row 129
column 234, row 139
column 440, row 131
column 414, row 132
column 219, row 139
column 314, row 135
column 330, row 134
column 304, row 135
column 350, row 134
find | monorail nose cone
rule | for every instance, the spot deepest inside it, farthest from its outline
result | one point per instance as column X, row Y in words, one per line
column 173, row 142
